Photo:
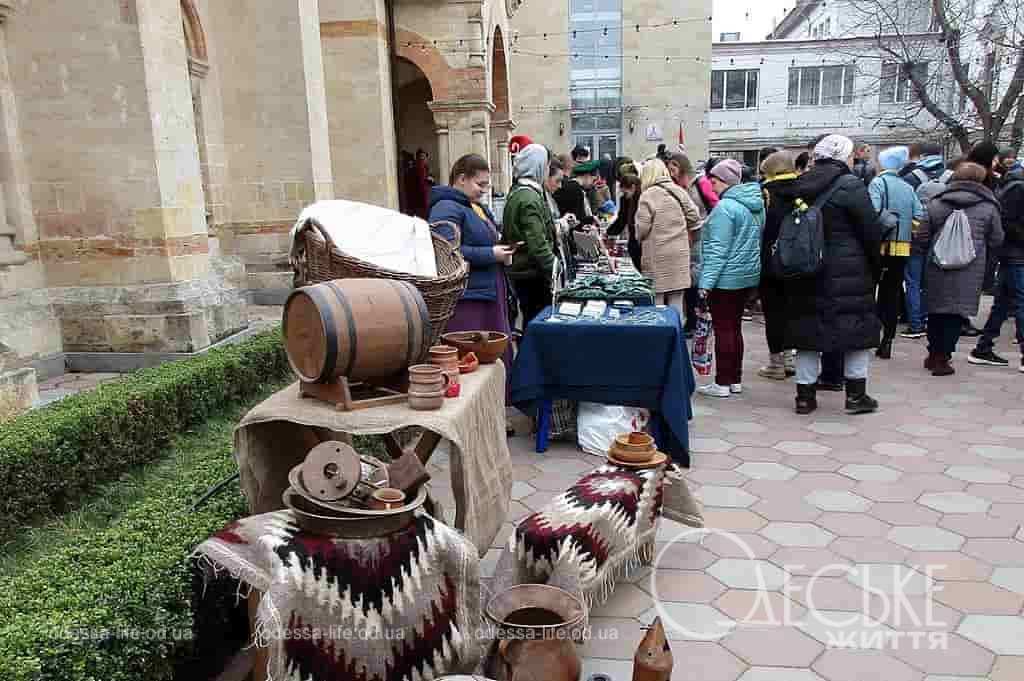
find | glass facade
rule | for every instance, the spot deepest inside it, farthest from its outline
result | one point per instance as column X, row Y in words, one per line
column 595, row 76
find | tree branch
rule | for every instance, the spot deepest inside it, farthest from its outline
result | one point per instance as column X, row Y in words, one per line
column 1010, row 98
column 953, row 35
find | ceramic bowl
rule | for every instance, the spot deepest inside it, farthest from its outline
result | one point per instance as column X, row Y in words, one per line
column 635, row 442
column 488, row 346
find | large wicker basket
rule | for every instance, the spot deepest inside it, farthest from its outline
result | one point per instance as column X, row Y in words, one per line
column 318, row 260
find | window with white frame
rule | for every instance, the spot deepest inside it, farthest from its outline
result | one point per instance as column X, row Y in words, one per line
column 896, row 86
column 734, row 89
column 821, row 85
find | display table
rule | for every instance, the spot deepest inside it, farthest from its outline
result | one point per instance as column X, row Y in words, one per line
column 638, row 360
column 278, row 433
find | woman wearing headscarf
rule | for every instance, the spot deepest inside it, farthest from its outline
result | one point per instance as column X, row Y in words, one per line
column 834, row 311
column 663, row 217
column 891, row 193
column 530, row 228
column 730, row 269
column 954, row 294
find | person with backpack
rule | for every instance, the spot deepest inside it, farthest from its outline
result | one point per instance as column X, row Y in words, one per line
column 928, row 167
column 730, row 269
column 899, row 213
column 1009, row 292
column 780, row 179
column 964, row 224
column 831, row 308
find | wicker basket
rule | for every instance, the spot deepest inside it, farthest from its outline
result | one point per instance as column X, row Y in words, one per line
column 319, row 260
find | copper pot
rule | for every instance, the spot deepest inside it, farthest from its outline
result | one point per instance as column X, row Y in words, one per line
column 536, row 627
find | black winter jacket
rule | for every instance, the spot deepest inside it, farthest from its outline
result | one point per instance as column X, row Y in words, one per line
column 1011, row 198
column 779, row 197
column 835, row 311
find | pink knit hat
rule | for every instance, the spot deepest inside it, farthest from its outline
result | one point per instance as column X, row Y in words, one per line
column 728, row 171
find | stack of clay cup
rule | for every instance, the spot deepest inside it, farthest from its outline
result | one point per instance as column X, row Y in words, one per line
column 447, row 358
column 633, row 448
column 427, row 386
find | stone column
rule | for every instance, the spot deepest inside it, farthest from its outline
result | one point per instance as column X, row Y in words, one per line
column 10, row 253
column 501, row 163
column 444, row 152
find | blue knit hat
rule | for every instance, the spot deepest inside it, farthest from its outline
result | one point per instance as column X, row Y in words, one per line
column 893, row 158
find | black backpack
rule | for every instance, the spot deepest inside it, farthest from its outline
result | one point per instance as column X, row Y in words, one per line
column 799, row 252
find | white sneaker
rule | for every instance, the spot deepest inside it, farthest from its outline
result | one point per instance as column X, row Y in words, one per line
column 714, row 390
column 736, row 388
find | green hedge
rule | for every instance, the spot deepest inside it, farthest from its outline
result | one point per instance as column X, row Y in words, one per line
column 50, row 456
column 130, row 576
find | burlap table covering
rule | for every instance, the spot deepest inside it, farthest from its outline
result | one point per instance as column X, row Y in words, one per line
column 274, row 436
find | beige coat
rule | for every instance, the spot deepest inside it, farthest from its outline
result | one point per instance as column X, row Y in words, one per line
column 661, row 228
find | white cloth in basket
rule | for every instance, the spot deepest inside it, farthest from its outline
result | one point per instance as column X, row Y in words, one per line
column 380, row 236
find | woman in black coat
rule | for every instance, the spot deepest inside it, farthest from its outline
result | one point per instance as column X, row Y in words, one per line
column 834, row 311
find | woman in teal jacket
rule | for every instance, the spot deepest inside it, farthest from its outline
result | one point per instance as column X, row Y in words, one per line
column 731, row 256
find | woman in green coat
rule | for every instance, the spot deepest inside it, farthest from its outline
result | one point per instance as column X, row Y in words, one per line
column 529, row 226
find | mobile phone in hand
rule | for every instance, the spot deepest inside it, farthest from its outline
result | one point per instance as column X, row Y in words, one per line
column 517, row 245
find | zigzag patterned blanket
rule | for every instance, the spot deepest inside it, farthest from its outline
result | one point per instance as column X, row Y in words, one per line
column 405, row 607
column 589, row 535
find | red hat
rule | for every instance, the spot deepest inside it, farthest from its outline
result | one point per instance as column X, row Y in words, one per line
column 517, row 143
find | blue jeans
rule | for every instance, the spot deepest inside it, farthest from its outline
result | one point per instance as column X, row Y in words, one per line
column 1009, row 299
column 913, row 277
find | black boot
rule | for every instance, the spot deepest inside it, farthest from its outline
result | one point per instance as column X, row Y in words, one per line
column 806, row 398
column 857, row 399
column 884, row 350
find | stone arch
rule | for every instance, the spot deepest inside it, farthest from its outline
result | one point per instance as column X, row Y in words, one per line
column 499, row 76
column 195, row 37
column 417, row 50
column 416, row 130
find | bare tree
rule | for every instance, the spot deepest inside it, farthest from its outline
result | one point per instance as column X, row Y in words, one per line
column 953, row 55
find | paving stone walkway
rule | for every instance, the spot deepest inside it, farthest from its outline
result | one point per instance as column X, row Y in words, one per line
column 898, row 533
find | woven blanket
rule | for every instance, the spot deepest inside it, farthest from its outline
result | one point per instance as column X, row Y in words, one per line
column 588, row 536
column 270, row 441
column 395, row 608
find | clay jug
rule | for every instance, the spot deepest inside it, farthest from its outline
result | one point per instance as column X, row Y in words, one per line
column 653, row 659
column 447, row 358
column 536, row 624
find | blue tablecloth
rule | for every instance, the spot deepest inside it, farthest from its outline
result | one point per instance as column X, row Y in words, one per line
column 638, row 360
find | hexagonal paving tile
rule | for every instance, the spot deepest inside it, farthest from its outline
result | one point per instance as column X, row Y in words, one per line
column 742, row 427
column 942, row 413
column 887, row 491
column 689, row 621
column 740, row 545
column 980, row 598
column 798, row 561
column 922, row 538
column 733, row 519
column 797, row 534
column 1000, row 494
column 802, row 448
column 738, row 573
column 773, row 647
column 832, row 428
column 955, row 502
column 837, row 500
column 833, row 626
column 783, row 508
column 903, row 513
column 729, row 497
column 870, row 472
column 521, row 490
column 897, row 449
column 1009, row 578
column 681, row 586
column 751, row 608
column 889, row 578
column 922, row 430
column 1007, row 669
column 767, row 471
column 626, row 601
column 950, row 566
column 1007, row 431
column 869, row 550
column 612, row 637
column 997, row 452
column 853, row 525
column 997, row 552
column 979, row 525
column 862, row 665
column 1003, row 635
column 978, row 474
column 705, row 662
column 958, row 656
column 779, row 674
column 709, row 445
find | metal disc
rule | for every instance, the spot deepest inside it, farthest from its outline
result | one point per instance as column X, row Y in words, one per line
column 331, row 471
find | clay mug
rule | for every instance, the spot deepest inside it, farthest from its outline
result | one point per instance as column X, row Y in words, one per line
column 427, row 378
column 387, row 498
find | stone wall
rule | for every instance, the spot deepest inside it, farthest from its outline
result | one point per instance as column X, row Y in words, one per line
column 542, row 83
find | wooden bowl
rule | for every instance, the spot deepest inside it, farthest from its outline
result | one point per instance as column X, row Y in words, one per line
column 488, row 346
column 631, row 456
column 635, row 442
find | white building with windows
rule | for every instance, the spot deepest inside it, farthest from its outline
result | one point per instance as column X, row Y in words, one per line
column 820, row 71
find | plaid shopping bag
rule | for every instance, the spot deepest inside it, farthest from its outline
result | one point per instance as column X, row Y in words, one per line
column 702, row 356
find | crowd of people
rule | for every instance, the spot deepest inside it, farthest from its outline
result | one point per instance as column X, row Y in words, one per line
column 707, row 238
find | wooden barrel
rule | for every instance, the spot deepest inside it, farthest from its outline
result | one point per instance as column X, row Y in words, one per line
column 358, row 328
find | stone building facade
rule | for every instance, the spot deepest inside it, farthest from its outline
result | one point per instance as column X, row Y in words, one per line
column 617, row 76
column 155, row 153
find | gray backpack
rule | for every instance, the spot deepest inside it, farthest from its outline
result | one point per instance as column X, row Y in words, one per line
column 954, row 246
